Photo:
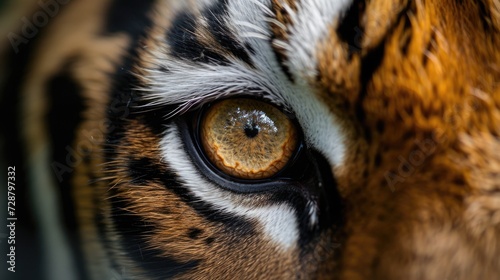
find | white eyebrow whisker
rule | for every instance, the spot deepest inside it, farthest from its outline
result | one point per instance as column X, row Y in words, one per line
column 265, row 9
column 255, row 35
column 253, row 26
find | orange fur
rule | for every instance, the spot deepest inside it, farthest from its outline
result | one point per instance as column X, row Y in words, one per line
column 439, row 220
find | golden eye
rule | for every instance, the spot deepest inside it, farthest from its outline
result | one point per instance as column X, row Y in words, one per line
column 248, row 139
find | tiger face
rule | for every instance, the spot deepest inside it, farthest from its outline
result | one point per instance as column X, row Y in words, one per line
column 271, row 138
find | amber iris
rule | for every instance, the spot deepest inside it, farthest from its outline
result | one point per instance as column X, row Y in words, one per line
column 247, row 139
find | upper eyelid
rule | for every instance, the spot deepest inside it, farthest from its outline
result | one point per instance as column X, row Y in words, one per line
column 193, row 105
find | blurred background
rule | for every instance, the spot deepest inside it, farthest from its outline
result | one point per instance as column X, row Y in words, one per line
column 29, row 257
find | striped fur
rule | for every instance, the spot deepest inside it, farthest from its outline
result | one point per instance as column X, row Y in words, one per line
column 397, row 103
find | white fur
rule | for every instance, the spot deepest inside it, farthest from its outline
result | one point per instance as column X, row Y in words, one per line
column 311, row 24
column 278, row 221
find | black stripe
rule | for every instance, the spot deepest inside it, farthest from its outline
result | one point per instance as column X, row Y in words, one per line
column 194, row 233
column 184, row 44
column 350, row 29
column 370, row 62
column 64, row 115
column 130, row 16
column 133, row 231
column 485, row 17
column 142, row 170
column 216, row 16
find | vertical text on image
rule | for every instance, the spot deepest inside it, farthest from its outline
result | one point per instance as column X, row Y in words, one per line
column 11, row 218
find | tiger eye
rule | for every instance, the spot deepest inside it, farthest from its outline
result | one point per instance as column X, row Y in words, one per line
column 248, row 139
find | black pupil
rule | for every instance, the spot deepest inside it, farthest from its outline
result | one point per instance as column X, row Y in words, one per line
column 251, row 130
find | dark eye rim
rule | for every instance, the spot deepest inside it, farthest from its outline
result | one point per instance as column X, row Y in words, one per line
column 291, row 173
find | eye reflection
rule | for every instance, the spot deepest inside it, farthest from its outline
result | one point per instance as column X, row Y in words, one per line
column 247, row 139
